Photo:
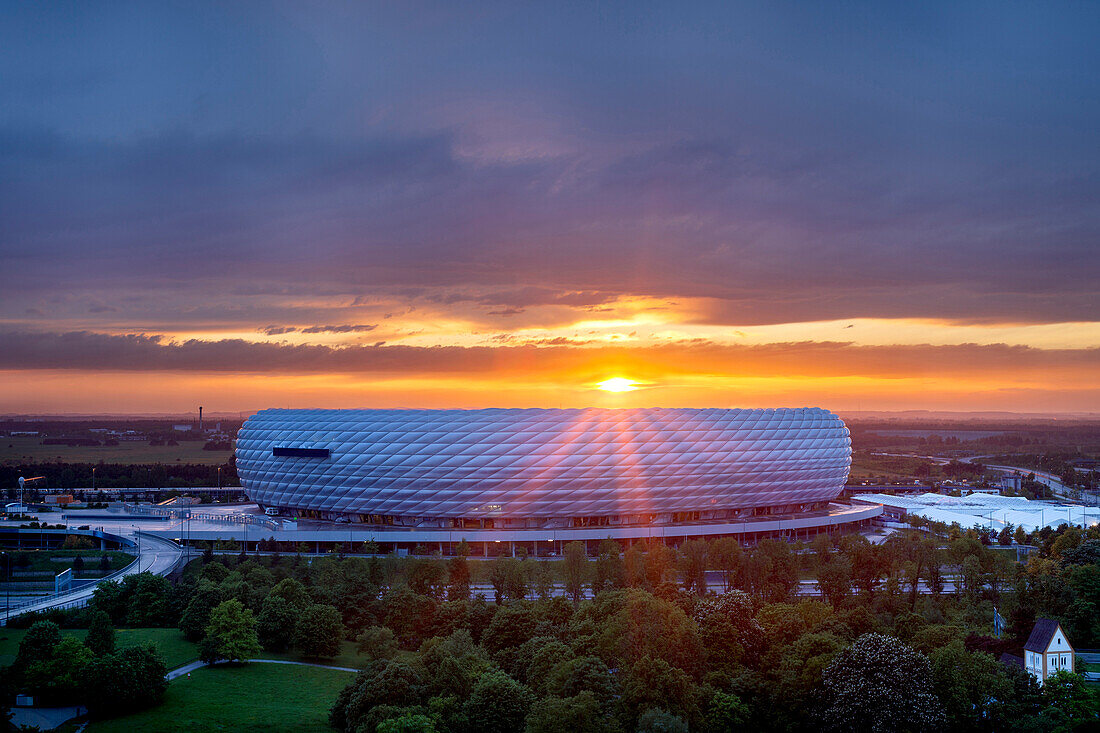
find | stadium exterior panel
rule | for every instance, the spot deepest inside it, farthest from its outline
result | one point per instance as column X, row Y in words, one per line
column 532, row 467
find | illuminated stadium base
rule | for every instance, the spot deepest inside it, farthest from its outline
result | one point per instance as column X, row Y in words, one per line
column 630, row 470
column 325, row 536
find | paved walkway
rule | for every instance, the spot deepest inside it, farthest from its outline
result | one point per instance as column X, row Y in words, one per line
column 192, row 666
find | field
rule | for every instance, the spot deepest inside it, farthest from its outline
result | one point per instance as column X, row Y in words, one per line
column 55, row 561
column 137, row 452
column 173, row 647
column 225, row 699
column 865, row 465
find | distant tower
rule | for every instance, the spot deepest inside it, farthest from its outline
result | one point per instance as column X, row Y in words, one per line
column 200, row 418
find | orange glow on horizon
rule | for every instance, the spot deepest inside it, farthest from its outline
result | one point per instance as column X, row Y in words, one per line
column 617, row 384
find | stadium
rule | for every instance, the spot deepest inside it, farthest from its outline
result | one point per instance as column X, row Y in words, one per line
column 706, row 471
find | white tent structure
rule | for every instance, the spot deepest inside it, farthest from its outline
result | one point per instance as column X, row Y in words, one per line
column 990, row 510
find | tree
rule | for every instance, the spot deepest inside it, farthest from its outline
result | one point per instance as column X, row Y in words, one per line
column 78, row 565
column 497, row 704
column 101, row 635
column 56, row 678
column 377, row 642
column 407, row 723
column 231, row 633
column 579, row 714
column 1072, row 703
column 320, row 631
column 867, row 567
column 126, row 681
column 647, row 626
column 834, row 578
column 656, row 720
column 276, row 624
column 498, row 577
column 609, row 568
column 293, row 592
column 379, row 689
column 582, row 674
column 972, row 579
column 458, row 574
column 658, row 560
column 879, row 684
column 1020, row 536
column 107, row 597
column 725, row 712
column 576, row 570
column 971, row 686
column 37, row 644
column 653, row 683
column 148, row 600
column 196, row 615
column 543, row 579
column 693, row 565
column 545, row 657
column 515, row 579
column 728, row 558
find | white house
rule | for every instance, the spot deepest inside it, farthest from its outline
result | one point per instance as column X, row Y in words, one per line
column 1047, row 650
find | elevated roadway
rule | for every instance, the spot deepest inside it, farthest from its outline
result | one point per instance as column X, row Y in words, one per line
column 156, row 555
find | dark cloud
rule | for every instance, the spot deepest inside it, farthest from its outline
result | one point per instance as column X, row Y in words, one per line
column 790, row 164
column 277, row 330
column 141, row 352
column 359, row 328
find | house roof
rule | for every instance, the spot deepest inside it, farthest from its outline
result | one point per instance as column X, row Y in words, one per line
column 1041, row 635
column 1011, row 660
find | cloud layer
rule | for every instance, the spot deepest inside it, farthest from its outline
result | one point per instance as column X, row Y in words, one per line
column 369, row 187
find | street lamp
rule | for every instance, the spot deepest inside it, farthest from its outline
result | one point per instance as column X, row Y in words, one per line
column 219, row 478
column 7, row 587
column 93, row 479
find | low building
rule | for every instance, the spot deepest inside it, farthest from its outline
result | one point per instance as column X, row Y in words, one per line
column 1047, row 650
column 59, row 499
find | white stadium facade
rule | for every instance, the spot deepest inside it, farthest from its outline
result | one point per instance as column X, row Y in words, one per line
column 528, row 475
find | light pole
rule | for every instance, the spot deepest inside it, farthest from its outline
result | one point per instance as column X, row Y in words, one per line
column 219, row 478
column 93, row 479
column 7, row 587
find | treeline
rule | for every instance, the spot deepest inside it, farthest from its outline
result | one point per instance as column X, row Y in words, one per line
column 654, row 649
column 62, row 475
column 1058, row 464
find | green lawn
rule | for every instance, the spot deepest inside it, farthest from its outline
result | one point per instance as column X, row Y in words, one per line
column 54, row 561
column 136, row 452
column 254, row 697
column 170, row 642
column 348, row 657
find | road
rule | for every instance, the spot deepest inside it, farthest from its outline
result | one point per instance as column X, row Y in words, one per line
column 156, row 555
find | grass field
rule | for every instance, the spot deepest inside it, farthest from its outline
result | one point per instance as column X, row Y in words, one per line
column 348, row 657
column 137, row 452
column 57, row 560
column 173, row 647
column 865, row 465
column 254, row 697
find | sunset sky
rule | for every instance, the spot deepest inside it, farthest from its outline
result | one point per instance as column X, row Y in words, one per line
column 862, row 206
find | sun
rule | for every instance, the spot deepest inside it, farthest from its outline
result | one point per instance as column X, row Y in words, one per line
column 617, row 384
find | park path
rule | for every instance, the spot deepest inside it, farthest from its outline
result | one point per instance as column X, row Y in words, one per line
column 192, row 666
